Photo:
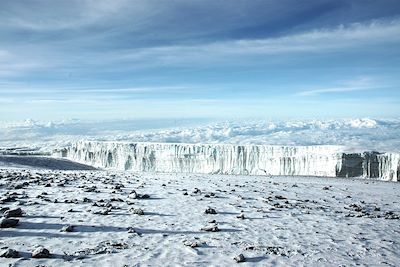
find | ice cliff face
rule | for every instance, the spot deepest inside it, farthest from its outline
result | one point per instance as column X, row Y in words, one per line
column 234, row 159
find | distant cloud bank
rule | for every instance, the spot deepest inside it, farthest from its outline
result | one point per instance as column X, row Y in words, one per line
column 355, row 134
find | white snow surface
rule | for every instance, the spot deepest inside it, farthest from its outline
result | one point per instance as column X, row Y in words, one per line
column 287, row 221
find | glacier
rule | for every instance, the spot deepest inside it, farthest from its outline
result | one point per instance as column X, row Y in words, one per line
column 323, row 160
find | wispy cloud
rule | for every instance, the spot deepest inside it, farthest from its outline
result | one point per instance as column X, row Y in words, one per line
column 67, row 15
column 333, row 90
column 316, row 41
column 230, row 52
column 360, row 84
column 71, row 90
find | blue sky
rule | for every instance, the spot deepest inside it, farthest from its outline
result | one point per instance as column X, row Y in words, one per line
column 125, row 59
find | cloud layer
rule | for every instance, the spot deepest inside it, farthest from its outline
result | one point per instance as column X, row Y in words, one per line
column 355, row 134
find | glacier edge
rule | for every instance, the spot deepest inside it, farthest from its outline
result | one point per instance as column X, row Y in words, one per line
column 324, row 160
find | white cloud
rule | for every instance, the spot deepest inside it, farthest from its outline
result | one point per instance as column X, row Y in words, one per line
column 42, row 55
column 321, row 40
column 72, row 14
column 71, row 90
column 355, row 134
column 359, row 84
column 333, row 90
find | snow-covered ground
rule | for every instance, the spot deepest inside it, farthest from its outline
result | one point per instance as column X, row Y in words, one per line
column 272, row 221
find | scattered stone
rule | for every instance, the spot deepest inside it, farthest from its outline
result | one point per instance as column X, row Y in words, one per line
column 241, row 216
column 41, row 252
column 21, row 185
column 105, row 247
column 9, row 253
column 7, row 223
column 191, row 243
column 356, row 207
column 2, row 210
column 144, row 196
column 131, row 230
column 210, row 211
column 86, row 200
column 239, row 258
column 197, row 191
column 277, row 251
column 13, row 213
column 133, row 194
column 91, row 189
column 391, row 215
column 67, row 228
column 137, row 211
column 103, row 212
column 210, row 228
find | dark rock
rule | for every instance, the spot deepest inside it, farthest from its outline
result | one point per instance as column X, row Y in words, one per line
column 13, row 213
column 9, row 253
column 67, row 228
column 131, row 230
column 2, row 210
column 241, row 216
column 210, row 211
column 137, row 211
column 197, row 191
column 144, row 196
column 391, row 215
column 275, row 250
column 21, row 185
column 41, row 252
column 7, row 223
column 210, row 228
column 239, row 258
column 133, row 194
column 192, row 244
column 103, row 212
column 8, row 199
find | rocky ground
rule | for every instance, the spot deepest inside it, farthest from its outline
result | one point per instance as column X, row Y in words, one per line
column 88, row 218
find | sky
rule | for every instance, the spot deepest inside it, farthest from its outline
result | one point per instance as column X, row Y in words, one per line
column 127, row 59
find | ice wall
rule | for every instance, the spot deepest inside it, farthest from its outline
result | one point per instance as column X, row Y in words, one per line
column 234, row 159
